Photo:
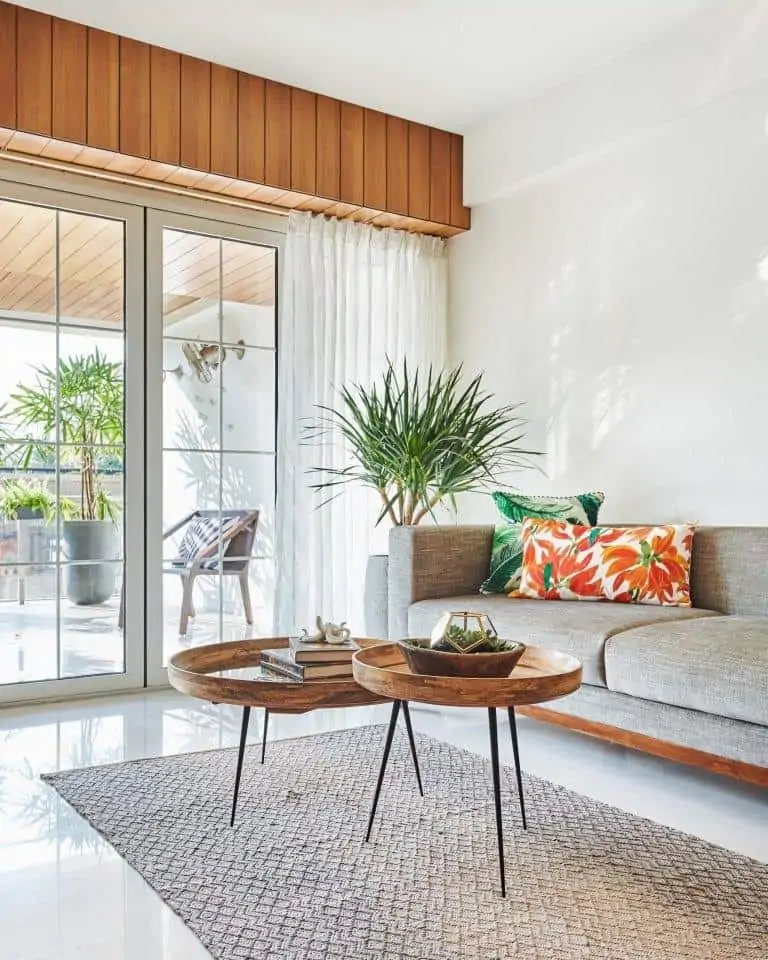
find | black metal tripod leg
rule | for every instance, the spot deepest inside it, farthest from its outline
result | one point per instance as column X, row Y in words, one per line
column 384, row 759
column 240, row 755
column 409, row 728
column 516, row 752
column 497, row 793
column 264, row 735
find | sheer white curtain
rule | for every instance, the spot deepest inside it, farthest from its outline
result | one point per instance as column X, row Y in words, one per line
column 352, row 296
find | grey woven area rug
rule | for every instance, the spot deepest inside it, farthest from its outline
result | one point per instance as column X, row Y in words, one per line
column 294, row 881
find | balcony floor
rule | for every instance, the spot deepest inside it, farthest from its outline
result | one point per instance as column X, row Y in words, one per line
column 91, row 642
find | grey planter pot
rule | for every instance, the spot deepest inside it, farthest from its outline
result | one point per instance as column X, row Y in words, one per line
column 375, row 598
column 87, row 540
column 29, row 513
column 35, row 539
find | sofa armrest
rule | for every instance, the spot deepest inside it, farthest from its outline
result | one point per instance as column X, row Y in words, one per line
column 434, row 561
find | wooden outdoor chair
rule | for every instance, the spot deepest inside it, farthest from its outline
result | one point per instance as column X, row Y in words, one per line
column 208, row 530
column 199, row 555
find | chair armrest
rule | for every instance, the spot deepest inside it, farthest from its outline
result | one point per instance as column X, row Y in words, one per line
column 225, row 539
column 434, row 561
column 177, row 526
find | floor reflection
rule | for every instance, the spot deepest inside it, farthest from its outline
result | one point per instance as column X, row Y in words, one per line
column 91, row 640
column 65, row 894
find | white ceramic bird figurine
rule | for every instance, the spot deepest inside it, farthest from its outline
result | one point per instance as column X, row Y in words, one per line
column 327, row 632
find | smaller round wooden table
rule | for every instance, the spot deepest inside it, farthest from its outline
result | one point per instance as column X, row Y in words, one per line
column 539, row 675
column 232, row 673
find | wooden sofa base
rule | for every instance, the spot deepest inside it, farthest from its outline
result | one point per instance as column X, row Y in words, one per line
column 747, row 772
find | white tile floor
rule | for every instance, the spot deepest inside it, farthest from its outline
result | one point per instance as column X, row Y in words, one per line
column 65, row 894
column 91, row 642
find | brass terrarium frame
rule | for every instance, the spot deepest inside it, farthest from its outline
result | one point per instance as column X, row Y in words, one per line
column 440, row 633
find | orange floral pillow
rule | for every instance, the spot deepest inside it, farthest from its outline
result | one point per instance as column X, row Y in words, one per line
column 565, row 561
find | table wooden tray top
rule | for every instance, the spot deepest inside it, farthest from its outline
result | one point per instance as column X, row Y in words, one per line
column 539, row 675
column 231, row 673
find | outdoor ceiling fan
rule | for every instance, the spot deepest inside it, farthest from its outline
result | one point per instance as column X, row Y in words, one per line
column 205, row 358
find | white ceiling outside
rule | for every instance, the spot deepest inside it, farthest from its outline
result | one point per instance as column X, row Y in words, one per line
column 449, row 63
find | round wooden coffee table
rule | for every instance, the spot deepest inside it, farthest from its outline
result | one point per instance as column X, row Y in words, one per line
column 540, row 675
column 232, row 673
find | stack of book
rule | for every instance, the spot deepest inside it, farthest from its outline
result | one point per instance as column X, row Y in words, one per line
column 306, row 660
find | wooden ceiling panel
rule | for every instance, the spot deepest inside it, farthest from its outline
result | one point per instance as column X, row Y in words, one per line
column 237, row 281
column 26, row 232
column 100, row 303
column 91, row 267
column 26, row 293
column 91, row 247
column 33, row 295
column 192, row 265
column 178, row 246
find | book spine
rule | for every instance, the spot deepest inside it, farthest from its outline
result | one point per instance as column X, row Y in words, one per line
column 320, row 652
column 294, row 670
column 305, row 657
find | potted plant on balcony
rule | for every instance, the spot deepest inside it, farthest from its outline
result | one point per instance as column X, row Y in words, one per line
column 84, row 397
column 27, row 500
column 419, row 441
column 31, row 506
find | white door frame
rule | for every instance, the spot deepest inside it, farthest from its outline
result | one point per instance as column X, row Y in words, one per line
column 213, row 225
column 134, row 531
column 138, row 204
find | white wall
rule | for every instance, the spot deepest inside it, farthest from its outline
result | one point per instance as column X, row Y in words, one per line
column 616, row 275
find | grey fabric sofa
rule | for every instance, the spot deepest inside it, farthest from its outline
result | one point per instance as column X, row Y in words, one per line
column 690, row 684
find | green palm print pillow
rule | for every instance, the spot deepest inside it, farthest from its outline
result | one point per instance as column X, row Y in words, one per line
column 507, row 553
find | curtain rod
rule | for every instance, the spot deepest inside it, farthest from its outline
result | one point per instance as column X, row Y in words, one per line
column 132, row 181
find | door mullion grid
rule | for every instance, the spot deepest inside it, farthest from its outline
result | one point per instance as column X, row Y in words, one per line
column 142, row 307
column 62, row 202
column 158, row 222
column 57, row 433
column 221, row 436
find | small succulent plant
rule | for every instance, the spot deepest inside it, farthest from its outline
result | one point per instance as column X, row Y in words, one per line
column 465, row 631
column 458, row 640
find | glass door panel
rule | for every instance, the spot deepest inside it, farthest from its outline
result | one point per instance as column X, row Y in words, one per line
column 63, row 503
column 248, row 294
column 217, row 437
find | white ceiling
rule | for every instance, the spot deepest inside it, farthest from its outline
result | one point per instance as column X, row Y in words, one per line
column 449, row 63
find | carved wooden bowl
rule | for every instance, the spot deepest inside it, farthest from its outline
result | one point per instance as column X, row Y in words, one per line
column 441, row 663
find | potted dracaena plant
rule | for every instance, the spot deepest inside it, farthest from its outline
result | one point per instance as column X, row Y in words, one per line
column 83, row 397
column 418, row 440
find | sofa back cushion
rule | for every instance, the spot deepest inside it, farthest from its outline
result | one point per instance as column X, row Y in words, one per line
column 729, row 570
column 439, row 561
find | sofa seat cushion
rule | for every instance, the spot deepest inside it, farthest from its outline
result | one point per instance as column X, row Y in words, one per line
column 717, row 665
column 580, row 629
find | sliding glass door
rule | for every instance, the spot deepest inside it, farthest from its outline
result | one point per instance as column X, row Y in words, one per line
column 71, row 444
column 137, row 434
column 211, row 468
